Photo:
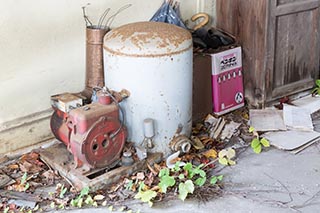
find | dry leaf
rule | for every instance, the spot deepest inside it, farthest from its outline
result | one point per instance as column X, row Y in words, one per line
column 99, row 197
column 212, row 153
column 157, row 167
column 13, row 166
column 140, row 176
column 152, row 170
column 196, row 142
column 112, row 196
column 173, row 161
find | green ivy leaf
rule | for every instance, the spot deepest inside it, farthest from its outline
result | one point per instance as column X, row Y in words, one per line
column 141, row 186
column 61, row 206
column 63, row 190
column 52, row 205
column 188, row 167
column 199, row 171
column 84, row 191
column 26, row 187
column 89, row 200
column 231, row 153
column 231, row 162
column 129, row 185
column 200, row 181
column 79, row 202
column 318, row 82
column 73, row 203
column 213, row 180
column 265, row 142
column 6, row 210
column 255, row 143
column 146, row 196
column 185, row 188
column 257, row 149
column 251, row 129
column 164, row 172
column 202, row 173
column 223, row 161
column 165, row 182
column 181, row 176
column 23, row 179
column 200, row 166
column 176, row 167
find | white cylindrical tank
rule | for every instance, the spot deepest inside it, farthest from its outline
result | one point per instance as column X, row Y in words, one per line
column 153, row 61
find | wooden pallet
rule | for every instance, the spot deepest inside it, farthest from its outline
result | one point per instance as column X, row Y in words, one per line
column 58, row 158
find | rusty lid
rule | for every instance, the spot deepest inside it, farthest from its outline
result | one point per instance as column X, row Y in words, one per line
column 147, row 39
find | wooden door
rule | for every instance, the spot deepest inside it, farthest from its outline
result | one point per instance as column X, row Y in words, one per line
column 292, row 60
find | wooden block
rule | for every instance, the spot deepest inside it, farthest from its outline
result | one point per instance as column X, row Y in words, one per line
column 58, row 157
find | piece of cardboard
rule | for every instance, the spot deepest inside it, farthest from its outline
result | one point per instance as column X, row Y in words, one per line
column 297, row 117
column 267, row 120
column 311, row 103
column 291, row 139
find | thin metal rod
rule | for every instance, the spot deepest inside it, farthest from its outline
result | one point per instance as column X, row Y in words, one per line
column 102, row 17
column 86, row 18
column 111, row 18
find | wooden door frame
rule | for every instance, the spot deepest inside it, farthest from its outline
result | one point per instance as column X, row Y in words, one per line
column 274, row 10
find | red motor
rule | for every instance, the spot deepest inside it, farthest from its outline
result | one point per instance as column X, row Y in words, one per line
column 93, row 133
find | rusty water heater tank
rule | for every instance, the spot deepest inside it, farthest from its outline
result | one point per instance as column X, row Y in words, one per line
column 153, row 61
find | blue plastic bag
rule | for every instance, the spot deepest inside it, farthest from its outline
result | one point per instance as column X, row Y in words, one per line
column 167, row 14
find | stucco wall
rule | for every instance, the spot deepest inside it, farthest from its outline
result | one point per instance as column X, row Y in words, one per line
column 42, row 47
column 42, row 52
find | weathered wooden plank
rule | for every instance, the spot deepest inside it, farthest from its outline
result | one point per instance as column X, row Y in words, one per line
column 289, row 89
column 246, row 20
column 280, row 42
column 58, row 157
column 296, row 7
column 296, row 52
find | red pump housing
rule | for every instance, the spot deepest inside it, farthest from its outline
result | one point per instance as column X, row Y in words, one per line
column 93, row 133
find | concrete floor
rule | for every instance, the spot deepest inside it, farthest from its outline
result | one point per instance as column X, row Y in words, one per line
column 274, row 181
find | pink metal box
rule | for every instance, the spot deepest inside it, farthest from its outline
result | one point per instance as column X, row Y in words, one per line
column 227, row 81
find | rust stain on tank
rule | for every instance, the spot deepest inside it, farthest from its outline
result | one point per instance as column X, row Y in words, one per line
column 165, row 36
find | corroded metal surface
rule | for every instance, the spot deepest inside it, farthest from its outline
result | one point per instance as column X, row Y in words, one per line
column 147, row 39
column 94, row 60
column 94, row 57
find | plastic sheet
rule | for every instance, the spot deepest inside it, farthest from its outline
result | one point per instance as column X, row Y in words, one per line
column 169, row 13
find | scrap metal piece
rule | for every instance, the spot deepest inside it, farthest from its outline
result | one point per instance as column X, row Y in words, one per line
column 127, row 159
column 170, row 162
column 180, row 142
column 66, row 102
column 141, row 152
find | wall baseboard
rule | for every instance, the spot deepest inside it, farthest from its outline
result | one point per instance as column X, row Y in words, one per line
column 25, row 131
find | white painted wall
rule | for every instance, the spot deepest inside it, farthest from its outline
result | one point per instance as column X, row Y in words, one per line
column 42, row 52
column 42, row 47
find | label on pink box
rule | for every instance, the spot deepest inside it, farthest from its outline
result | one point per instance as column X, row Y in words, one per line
column 227, row 81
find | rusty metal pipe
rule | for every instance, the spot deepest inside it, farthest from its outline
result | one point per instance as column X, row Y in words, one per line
column 94, row 59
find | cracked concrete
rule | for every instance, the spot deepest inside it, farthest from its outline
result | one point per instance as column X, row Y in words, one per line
column 273, row 181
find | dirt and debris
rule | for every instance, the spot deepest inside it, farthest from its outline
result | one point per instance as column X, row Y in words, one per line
column 289, row 119
column 28, row 183
column 31, row 184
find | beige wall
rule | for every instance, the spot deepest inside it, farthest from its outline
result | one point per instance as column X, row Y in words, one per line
column 42, row 53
